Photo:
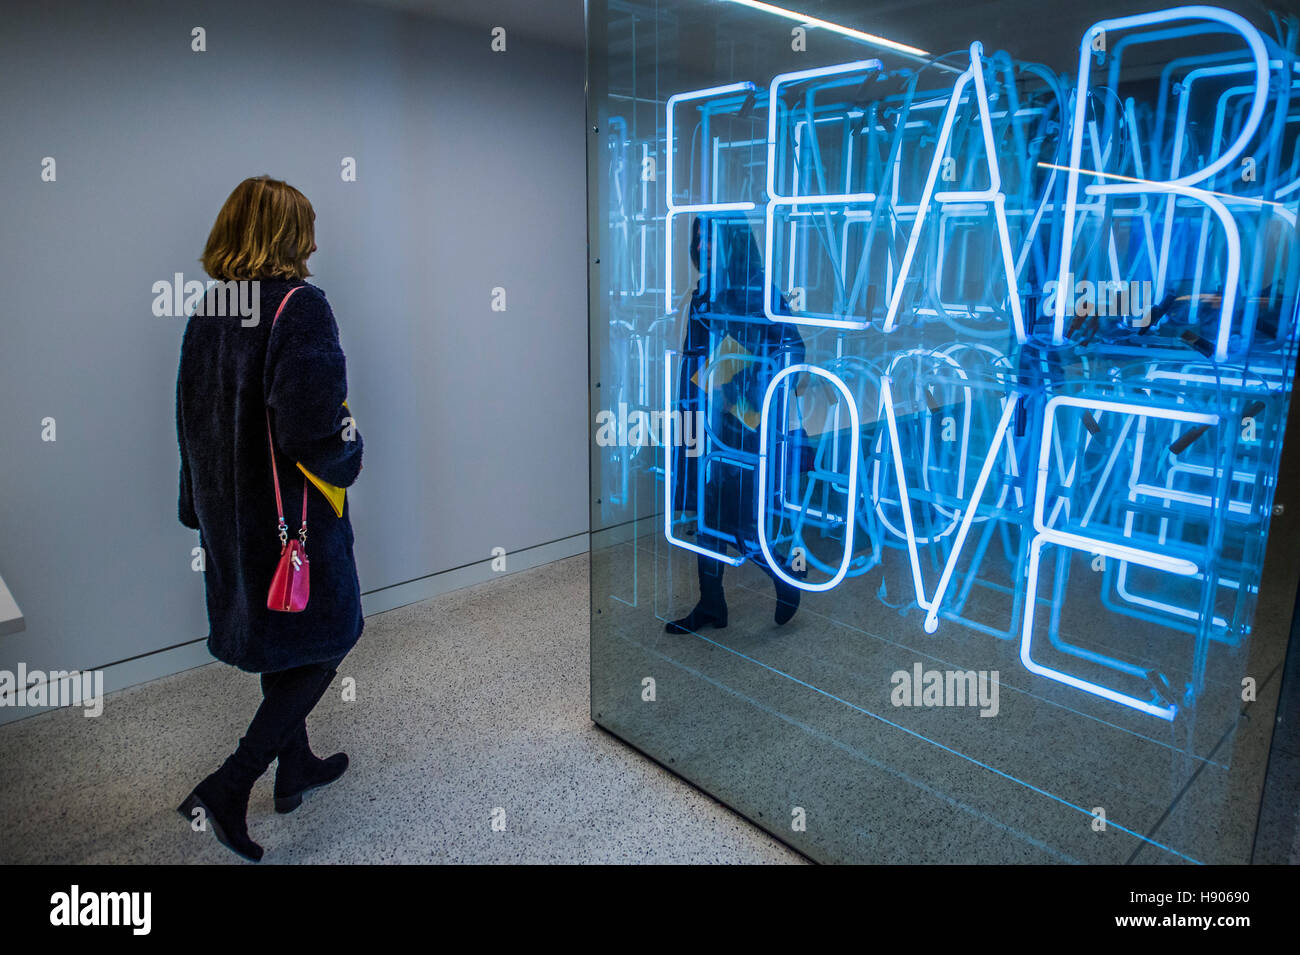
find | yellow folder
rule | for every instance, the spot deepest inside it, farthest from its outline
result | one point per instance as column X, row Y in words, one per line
column 335, row 495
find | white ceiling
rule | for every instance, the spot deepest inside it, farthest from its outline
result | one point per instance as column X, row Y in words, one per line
column 1031, row 29
column 555, row 21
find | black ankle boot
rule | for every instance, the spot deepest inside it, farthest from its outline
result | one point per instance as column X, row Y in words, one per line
column 223, row 797
column 287, row 697
column 299, row 771
column 699, row 618
column 787, row 597
column 711, row 611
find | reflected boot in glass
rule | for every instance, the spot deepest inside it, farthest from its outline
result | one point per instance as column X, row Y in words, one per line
column 223, row 796
column 711, row 611
column 299, row 770
column 787, row 595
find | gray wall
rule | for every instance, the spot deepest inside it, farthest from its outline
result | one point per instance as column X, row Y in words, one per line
column 470, row 176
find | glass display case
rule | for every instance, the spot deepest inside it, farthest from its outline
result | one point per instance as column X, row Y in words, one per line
column 941, row 359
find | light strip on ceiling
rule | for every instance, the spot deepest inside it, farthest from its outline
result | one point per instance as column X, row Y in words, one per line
column 833, row 27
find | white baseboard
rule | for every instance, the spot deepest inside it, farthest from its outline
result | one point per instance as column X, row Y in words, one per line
column 187, row 656
column 141, row 669
column 435, row 585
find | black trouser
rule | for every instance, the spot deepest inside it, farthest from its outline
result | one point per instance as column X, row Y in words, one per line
column 280, row 723
column 729, row 507
column 710, row 571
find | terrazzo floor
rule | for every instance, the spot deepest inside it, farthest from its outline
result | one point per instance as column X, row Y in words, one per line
column 474, row 706
column 469, row 707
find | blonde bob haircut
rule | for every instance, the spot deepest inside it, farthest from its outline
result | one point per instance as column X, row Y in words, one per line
column 265, row 230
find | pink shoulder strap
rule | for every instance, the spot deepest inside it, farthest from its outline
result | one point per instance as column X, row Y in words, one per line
column 275, row 475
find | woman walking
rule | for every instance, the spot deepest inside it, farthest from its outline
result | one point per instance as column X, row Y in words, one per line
column 727, row 507
column 247, row 384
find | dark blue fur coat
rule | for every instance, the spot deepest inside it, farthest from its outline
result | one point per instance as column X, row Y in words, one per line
column 228, row 374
